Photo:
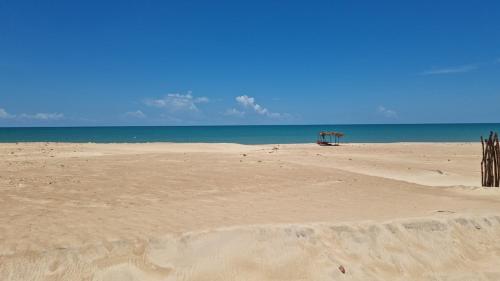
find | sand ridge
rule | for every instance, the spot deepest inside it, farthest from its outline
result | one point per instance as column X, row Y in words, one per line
column 444, row 248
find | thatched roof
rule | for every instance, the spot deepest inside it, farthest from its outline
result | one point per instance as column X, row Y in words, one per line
column 335, row 134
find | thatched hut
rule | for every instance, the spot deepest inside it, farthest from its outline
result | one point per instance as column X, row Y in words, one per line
column 329, row 138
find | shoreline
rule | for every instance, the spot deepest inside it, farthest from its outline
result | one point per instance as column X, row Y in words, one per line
column 244, row 144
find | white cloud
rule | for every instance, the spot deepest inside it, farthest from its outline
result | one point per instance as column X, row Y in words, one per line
column 451, row 70
column 389, row 113
column 43, row 116
column 234, row 112
column 4, row 114
column 135, row 114
column 177, row 102
column 201, row 100
column 249, row 102
column 37, row 116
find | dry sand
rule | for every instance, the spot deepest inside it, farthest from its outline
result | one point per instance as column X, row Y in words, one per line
column 233, row 212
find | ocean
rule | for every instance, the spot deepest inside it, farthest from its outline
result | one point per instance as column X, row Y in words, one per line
column 272, row 134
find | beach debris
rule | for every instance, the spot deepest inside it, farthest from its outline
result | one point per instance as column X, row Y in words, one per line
column 342, row 269
column 244, row 155
column 275, row 149
column 490, row 164
column 445, row 211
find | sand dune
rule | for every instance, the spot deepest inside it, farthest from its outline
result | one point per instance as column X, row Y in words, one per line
column 234, row 212
column 436, row 248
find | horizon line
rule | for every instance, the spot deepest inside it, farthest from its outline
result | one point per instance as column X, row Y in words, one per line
column 250, row 125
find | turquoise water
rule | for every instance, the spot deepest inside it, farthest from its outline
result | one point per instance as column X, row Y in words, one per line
column 252, row 134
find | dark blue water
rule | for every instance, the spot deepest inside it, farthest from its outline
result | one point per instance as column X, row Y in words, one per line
column 252, row 134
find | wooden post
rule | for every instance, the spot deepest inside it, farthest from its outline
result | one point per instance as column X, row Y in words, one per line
column 490, row 164
column 483, row 183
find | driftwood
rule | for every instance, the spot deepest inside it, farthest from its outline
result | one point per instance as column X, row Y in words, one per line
column 490, row 165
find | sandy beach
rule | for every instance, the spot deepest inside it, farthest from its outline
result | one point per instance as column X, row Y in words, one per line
column 164, row 211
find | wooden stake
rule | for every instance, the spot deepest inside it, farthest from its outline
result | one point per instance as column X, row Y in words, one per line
column 490, row 164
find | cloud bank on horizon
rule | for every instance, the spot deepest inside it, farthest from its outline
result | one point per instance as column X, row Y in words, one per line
column 37, row 116
column 177, row 102
column 188, row 107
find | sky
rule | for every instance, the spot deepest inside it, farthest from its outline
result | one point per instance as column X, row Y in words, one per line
column 98, row 63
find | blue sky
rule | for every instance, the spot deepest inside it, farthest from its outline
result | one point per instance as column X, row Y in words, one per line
column 74, row 63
